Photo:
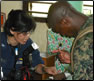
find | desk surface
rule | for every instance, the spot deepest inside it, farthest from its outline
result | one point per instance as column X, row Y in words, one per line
column 49, row 60
column 45, row 55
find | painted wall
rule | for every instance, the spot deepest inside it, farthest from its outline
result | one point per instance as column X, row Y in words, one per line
column 7, row 6
column 40, row 36
column 77, row 5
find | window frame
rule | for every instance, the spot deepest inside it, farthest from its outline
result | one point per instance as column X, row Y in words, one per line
column 38, row 19
column 87, row 5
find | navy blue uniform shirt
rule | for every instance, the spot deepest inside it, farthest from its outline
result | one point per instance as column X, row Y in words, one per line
column 8, row 56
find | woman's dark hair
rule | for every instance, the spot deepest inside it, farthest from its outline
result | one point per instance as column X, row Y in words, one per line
column 19, row 21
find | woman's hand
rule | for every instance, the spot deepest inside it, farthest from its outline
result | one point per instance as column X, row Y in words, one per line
column 63, row 55
column 51, row 70
column 41, row 69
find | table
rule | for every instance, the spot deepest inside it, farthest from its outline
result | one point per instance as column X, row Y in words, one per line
column 49, row 61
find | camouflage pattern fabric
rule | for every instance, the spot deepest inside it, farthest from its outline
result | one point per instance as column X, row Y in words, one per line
column 83, row 55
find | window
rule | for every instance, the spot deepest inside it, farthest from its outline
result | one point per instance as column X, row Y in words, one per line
column 88, row 7
column 38, row 9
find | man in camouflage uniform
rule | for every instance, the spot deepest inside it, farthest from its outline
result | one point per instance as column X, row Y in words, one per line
column 83, row 54
column 67, row 21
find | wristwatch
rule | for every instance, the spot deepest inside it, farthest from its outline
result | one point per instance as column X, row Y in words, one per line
column 43, row 70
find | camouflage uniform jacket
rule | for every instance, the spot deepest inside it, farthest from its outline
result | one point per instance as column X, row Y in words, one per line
column 83, row 55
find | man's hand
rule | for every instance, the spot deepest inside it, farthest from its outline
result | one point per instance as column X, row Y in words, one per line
column 63, row 55
column 51, row 70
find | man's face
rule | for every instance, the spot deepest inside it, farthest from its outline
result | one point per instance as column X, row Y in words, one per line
column 21, row 37
column 64, row 30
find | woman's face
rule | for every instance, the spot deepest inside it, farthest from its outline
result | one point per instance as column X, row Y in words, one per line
column 21, row 37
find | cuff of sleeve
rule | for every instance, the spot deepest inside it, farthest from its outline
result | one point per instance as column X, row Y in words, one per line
column 67, row 74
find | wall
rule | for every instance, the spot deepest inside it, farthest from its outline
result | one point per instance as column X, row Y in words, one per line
column 77, row 5
column 40, row 36
column 7, row 6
